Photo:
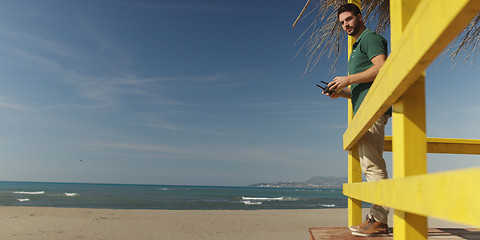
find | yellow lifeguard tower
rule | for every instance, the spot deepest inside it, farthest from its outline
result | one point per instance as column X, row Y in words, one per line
column 420, row 30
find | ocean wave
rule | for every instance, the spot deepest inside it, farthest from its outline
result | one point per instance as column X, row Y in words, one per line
column 71, row 194
column 269, row 199
column 23, row 199
column 263, row 198
column 251, row 203
column 30, row 193
column 328, row 205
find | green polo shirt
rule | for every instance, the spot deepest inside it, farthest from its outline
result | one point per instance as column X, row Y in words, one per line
column 367, row 46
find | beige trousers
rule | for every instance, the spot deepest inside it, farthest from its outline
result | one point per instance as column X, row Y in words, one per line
column 370, row 150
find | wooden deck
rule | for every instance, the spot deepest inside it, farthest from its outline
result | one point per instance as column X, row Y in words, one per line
column 326, row 233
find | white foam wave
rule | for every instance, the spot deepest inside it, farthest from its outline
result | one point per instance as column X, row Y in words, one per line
column 269, row 198
column 251, row 203
column 23, row 199
column 328, row 205
column 30, row 193
column 71, row 194
column 263, row 198
column 163, row 189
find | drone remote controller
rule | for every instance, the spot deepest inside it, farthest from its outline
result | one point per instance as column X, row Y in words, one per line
column 326, row 88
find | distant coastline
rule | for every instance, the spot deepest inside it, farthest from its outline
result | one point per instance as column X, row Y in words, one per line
column 314, row 182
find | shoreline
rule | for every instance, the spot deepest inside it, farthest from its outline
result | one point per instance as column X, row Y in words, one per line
column 87, row 223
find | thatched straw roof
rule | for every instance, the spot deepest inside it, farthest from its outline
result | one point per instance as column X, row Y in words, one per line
column 324, row 36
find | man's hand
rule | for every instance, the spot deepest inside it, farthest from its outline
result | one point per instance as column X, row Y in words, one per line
column 339, row 83
column 345, row 93
column 332, row 95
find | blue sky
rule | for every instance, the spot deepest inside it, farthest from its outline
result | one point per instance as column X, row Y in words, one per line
column 183, row 92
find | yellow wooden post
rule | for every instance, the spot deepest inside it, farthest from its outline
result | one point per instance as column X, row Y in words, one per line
column 409, row 145
column 354, row 170
column 409, row 154
column 354, row 175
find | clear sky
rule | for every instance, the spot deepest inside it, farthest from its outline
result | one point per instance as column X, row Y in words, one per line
column 184, row 92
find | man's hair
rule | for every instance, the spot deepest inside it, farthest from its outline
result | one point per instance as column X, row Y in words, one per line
column 349, row 7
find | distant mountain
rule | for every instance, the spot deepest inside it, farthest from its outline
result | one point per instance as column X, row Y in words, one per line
column 314, row 182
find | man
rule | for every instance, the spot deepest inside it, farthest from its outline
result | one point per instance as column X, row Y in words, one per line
column 369, row 53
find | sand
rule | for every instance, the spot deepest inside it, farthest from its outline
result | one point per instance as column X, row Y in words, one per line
column 76, row 223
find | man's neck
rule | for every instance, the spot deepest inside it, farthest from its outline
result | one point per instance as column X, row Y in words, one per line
column 360, row 31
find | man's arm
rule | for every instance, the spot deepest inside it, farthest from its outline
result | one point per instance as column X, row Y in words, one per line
column 362, row 77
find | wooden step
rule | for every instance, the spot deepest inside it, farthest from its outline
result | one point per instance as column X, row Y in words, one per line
column 325, row 233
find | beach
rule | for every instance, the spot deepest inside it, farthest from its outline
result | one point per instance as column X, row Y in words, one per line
column 85, row 223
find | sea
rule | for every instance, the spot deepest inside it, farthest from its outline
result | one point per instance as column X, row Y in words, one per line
column 169, row 197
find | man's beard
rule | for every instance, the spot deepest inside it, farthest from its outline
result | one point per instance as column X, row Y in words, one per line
column 354, row 31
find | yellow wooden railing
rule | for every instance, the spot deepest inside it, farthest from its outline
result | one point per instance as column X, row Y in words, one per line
column 420, row 30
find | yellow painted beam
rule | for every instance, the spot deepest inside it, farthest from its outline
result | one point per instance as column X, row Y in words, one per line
column 409, row 129
column 356, row 2
column 410, row 154
column 452, row 195
column 354, row 169
column 432, row 27
column 400, row 14
column 445, row 145
column 354, row 175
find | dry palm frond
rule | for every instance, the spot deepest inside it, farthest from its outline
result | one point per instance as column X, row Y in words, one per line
column 301, row 13
column 468, row 42
column 324, row 36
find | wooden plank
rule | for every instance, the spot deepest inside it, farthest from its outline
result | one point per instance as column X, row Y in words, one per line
column 433, row 26
column 327, row 233
column 452, row 195
column 445, row 145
